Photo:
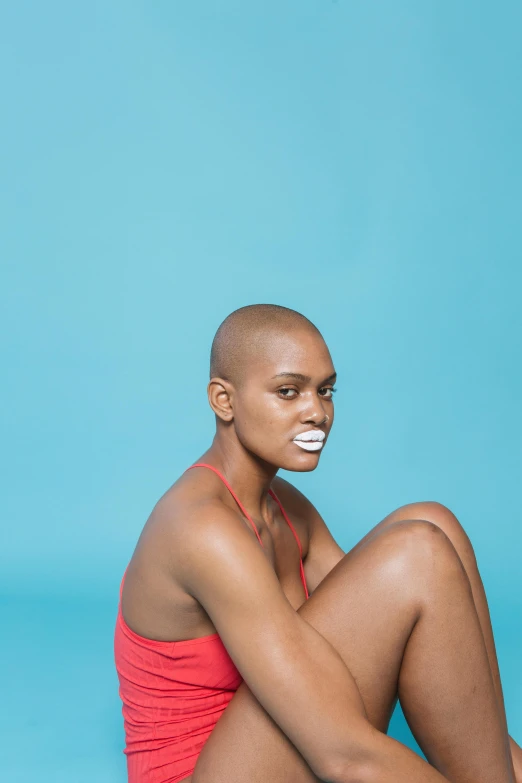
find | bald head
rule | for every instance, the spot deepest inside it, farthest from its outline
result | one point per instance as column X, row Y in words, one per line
column 247, row 334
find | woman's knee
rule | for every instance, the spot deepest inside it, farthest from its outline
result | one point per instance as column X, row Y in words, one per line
column 444, row 518
column 411, row 560
column 415, row 550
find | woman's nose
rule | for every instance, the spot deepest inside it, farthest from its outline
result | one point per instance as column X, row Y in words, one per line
column 317, row 416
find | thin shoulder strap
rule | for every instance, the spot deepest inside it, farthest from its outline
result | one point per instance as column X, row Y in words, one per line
column 301, row 568
column 225, row 482
column 292, row 528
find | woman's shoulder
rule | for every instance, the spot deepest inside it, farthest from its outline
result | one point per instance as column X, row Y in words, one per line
column 298, row 500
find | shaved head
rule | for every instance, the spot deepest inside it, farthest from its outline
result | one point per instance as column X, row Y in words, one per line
column 271, row 379
column 248, row 334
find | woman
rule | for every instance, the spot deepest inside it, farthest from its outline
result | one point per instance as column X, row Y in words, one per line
column 229, row 672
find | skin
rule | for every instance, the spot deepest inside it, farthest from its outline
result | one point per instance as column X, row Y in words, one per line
column 402, row 615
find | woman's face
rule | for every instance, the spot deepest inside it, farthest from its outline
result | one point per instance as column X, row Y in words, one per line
column 287, row 392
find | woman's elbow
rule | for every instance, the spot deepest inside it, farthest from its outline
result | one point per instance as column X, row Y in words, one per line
column 356, row 764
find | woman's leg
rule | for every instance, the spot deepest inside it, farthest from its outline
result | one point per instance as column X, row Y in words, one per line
column 441, row 516
column 399, row 610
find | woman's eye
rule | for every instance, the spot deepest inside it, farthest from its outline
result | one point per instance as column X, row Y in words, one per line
column 332, row 391
column 290, row 394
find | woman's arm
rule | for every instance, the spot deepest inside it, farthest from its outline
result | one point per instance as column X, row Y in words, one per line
column 516, row 754
column 295, row 673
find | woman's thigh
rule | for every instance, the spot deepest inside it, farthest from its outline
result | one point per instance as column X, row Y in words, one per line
column 367, row 623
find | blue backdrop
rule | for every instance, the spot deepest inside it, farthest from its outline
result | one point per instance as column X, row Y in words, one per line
column 165, row 163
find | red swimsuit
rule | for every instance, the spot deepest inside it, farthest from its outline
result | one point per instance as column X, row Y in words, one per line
column 174, row 692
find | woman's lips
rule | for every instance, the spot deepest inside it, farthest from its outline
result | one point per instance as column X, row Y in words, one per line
column 309, row 445
column 310, row 440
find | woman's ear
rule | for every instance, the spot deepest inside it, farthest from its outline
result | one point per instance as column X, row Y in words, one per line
column 220, row 394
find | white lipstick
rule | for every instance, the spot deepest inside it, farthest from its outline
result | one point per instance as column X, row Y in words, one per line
column 311, row 440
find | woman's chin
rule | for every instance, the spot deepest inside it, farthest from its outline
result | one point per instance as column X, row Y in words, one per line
column 302, row 463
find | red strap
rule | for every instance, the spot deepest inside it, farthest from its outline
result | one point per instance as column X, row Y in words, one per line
column 223, row 479
column 303, row 579
column 270, row 492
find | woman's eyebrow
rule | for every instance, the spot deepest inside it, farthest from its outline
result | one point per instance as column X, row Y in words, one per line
column 300, row 377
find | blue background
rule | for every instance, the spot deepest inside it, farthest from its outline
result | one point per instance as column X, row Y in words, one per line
column 165, row 163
